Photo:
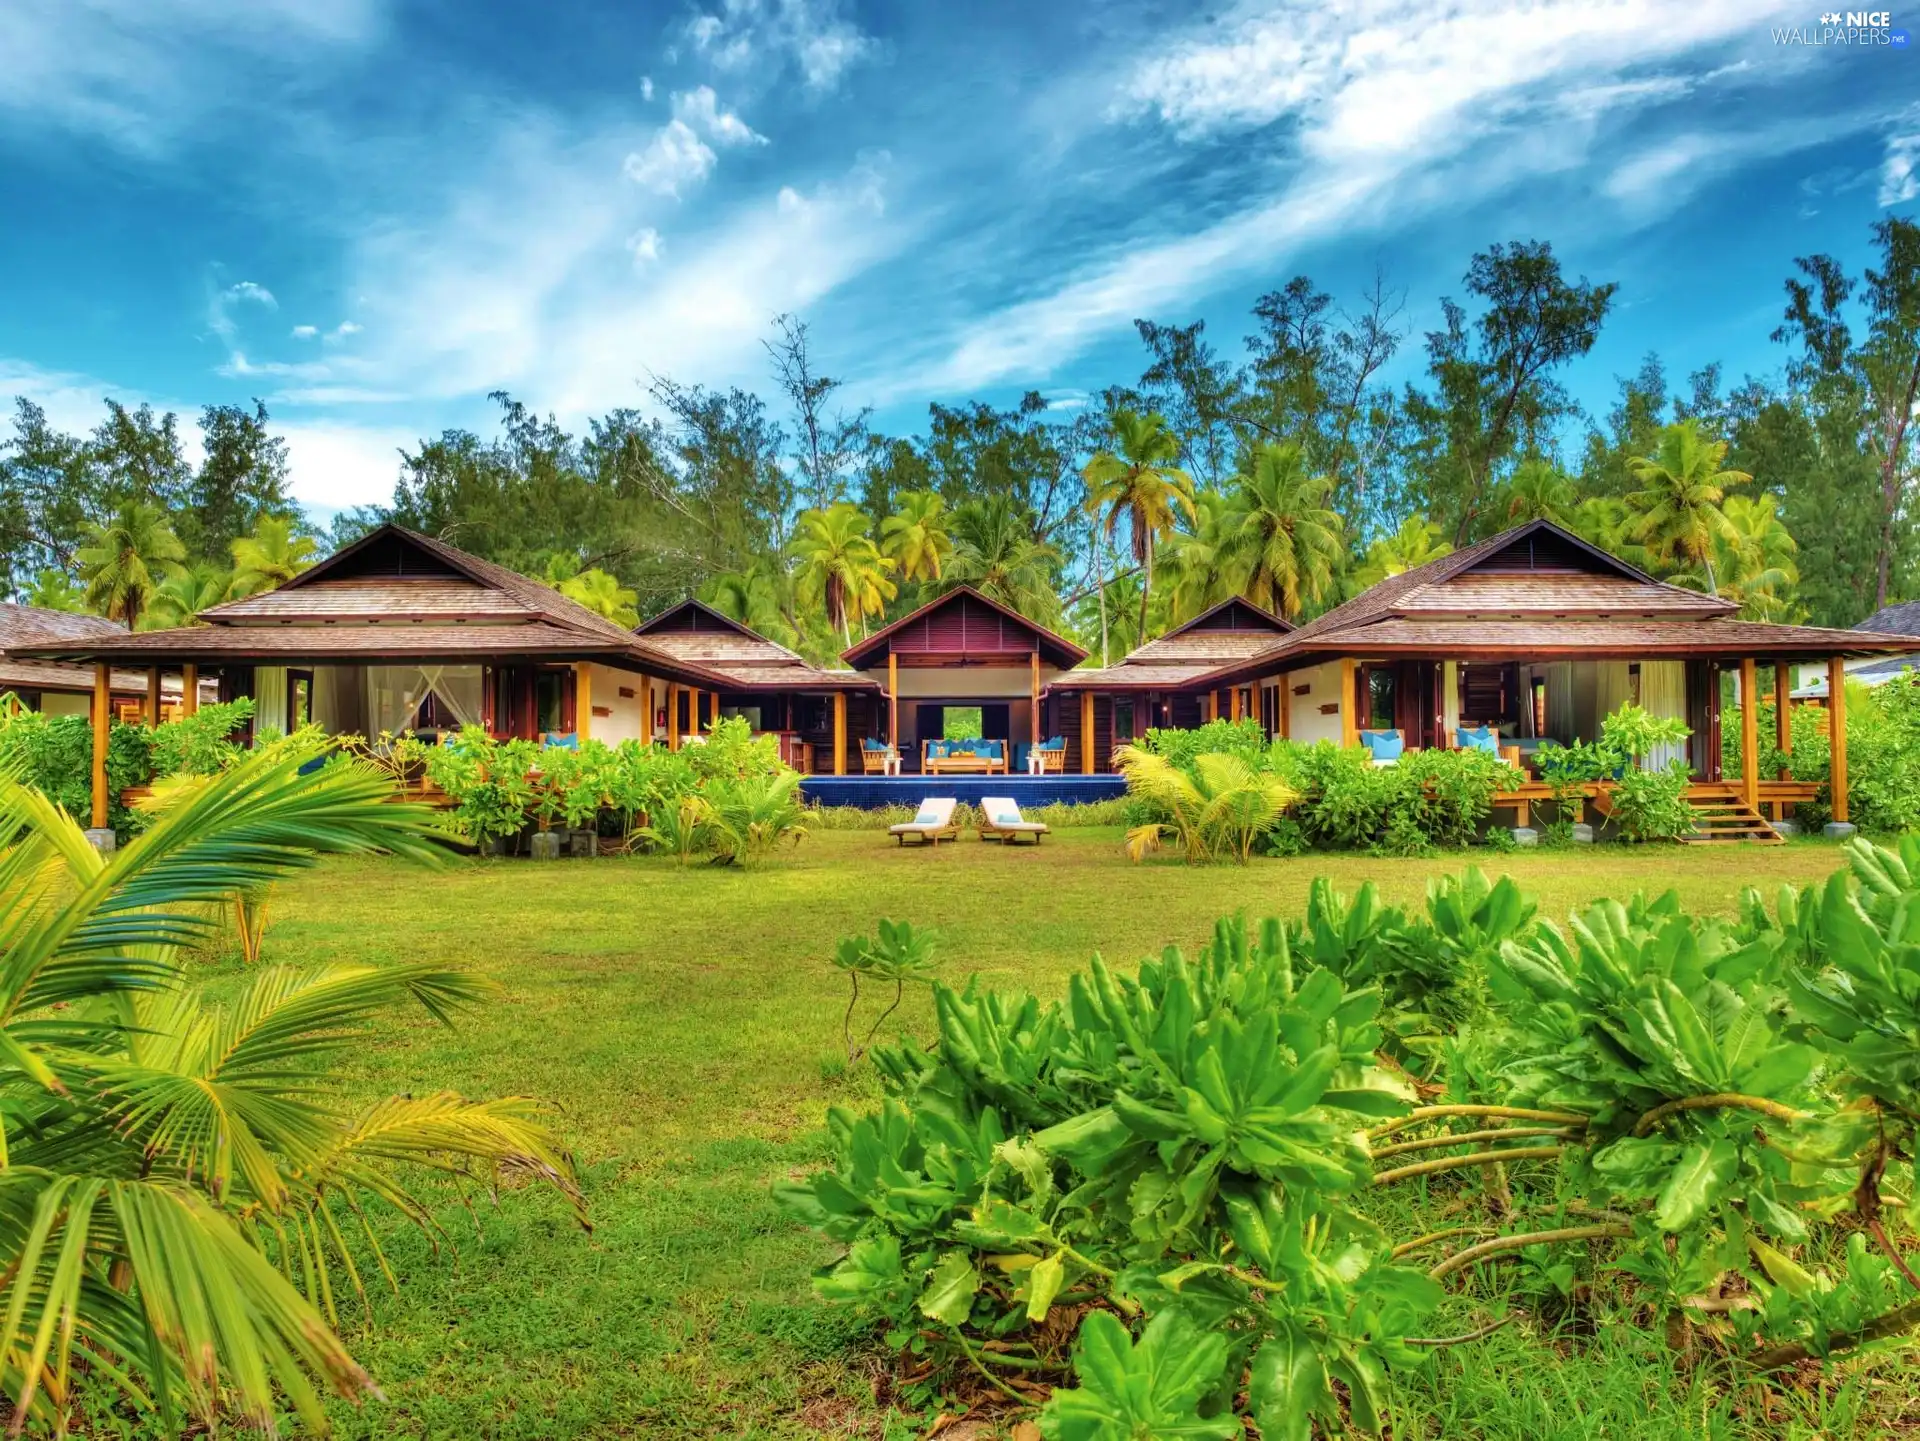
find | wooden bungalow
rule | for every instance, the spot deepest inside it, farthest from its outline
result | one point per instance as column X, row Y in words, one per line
column 57, row 688
column 818, row 715
column 1538, row 635
column 400, row 632
column 963, row 650
column 1164, row 683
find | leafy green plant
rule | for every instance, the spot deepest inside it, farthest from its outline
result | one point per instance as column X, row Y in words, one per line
column 201, row 744
column 1651, row 805
column 176, row 1163
column 1219, row 808
column 755, row 813
column 895, row 953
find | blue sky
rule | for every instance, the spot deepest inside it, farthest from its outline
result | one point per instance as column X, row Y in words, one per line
column 370, row 213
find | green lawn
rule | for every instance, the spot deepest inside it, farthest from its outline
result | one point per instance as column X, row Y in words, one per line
column 685, row 1024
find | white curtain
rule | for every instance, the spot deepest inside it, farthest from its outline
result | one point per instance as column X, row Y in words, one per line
column 339, row 699
column 1450, row 699
column 394, row 694
column 1562, row 723
column 1663, row 692
column 1612, row 688
column 270, row 699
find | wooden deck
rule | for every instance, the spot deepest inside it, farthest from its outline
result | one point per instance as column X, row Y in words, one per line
column 1720, row 807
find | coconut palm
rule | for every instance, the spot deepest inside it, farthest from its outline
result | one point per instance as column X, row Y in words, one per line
column 1540, row 490
column 994, row 552
column 915, row 536
column 602, row 593
column 176, row 1161
column 1291, row 543
column 1218, row 808
column 1139, row 480
column 1200, row 566
column 1416, row 542
column 56, row 590
column 1755, row 559
column 759, row 597
column 1682, row 486
column 124, row 561
column 840, row 566
column 271, row 556
column 184, row 594
column 1610, row 524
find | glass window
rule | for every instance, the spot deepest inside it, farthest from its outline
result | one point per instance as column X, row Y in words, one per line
column 548, row 693
column 1380, row 698
column 1122, row 720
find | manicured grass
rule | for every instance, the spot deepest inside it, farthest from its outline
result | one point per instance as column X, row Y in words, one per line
column 686, row 1024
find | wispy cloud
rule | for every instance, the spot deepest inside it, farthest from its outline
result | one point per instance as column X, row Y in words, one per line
column 1372, row 115
column 1900, row 169
column 678, row 156
column 225, row 302
column 770, row 37
column 141, row 72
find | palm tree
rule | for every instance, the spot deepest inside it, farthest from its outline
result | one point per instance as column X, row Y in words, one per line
column 56, row 590
column 1414, row 544
column 124, row 561
column 1142, row 483
column 1610, row 524
column 994, row 552
column 1682, row 486
column 178, row 1159
column 841, row 567
column 759, row 597
column 915, row 536
column 602, row 593
column 184, row 594
column 1203, row 563
column 1540, row 490
column 1220, row 806
column 271, row 556
column 1280, row 524
column 1755, row 559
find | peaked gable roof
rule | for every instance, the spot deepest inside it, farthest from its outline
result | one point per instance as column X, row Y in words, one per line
column 695, row 632
column 1236, row 612
column 697, row 615
column 393, row 572
column 962, row 621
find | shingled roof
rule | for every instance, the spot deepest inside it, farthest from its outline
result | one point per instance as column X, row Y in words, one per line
column 27, row 625
column 697, row 633
column 1236, row 629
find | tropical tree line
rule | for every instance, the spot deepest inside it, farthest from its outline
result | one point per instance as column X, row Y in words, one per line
column 1294, row 472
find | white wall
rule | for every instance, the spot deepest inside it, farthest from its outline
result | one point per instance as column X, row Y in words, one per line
column 1305, row 723
column 628, row 722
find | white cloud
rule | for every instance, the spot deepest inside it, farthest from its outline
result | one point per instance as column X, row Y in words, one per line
column 675, row 157
column 143, row 72
column 343, row 330
column 646, row 87
column 700, row 108
column 1392, row 109
column 338, row 464
column 305, row 332
column 644, row 245
column 221, row 308
column 1900, row 170
column 769, row 36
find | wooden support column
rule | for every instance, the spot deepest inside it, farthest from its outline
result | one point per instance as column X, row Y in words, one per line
column 1213, row 705
column 152, row 712
column 1286, row 707
column 1036, row 737
column 1349, row 702
column 1837, row 735
column 102, row 726
column 582, row 701
column 1086, row 732
column 839, row 732
column 1235, row 702
column 1750, row 731
column 673, row 716
column 713, row 711
column 1782, row 729
column 893, row 699
column 189, row 690
column 645, row 689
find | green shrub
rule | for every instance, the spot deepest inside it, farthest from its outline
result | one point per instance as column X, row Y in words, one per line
column 54, row 755
column 1652, row 805
column 201, row 744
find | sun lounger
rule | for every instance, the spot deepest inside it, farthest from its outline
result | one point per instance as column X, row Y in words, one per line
column 1000, row 819
column 934, row 820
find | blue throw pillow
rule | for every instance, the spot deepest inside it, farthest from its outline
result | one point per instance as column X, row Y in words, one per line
column 567, row 742
column 1058, row 743
column 993, row 750
column 1384, row 745
column 1477, row 738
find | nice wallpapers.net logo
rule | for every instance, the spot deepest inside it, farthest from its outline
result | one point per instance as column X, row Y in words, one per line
column 1846, row 30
